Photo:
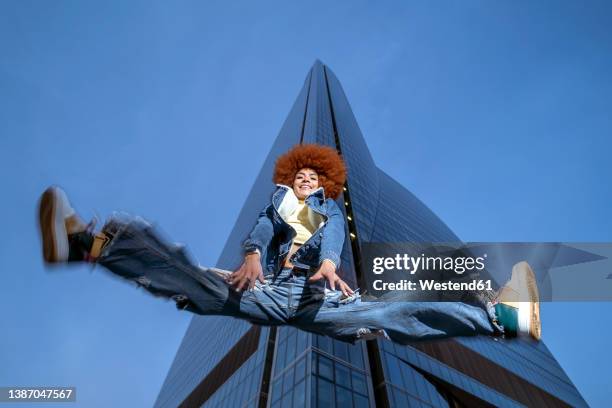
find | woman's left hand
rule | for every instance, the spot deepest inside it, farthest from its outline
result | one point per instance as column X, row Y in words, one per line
column 328, row 271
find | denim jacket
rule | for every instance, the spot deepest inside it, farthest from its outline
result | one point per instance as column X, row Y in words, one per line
column 273, row 236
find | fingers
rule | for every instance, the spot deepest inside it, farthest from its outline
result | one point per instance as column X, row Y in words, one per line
column 244, row 283
column 231, row 278
column 346, row 289
column 252, row 283
column 317, row 276
column 241, row 279
column 332, row 282
column 234, row 280
column 235, row 275
column 238, row 280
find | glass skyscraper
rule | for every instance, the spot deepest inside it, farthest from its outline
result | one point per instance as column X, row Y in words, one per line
column 224, row 362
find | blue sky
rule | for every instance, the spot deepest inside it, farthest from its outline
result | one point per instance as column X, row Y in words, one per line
column 495, row 114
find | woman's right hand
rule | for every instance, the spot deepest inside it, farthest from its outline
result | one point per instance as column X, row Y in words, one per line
column 249, row 272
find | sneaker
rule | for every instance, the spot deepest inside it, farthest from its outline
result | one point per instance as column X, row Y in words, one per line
column 64, row 234
column 518, row 303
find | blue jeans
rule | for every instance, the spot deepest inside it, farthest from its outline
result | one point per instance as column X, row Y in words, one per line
column 140, row 254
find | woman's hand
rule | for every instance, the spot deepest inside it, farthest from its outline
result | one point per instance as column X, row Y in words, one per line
column 249, row 272
column 328, row 271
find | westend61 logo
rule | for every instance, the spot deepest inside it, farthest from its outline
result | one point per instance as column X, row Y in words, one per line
column 413, row 264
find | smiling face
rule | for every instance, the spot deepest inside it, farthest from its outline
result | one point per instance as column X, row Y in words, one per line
column 305, row 182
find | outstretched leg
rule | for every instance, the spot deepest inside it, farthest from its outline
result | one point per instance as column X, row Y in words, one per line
column 516, row 312
column 133, row 249
column 402, row 322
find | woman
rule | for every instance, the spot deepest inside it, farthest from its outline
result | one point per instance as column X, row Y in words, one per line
column 290, row 255
column 287, row 241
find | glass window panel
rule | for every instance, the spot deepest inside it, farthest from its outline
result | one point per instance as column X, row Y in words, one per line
column 393, row 348
column 356, row 355
column 341, row 350
column 441, row 402
column 343, row 375
column 276, row 390
column 313, row 391
column 422, row 360
column 325, row 397
column 291, row 350
column 286, row 401
column 251, row 382
column 394, row 370
column 344, row 398
column 288, row 380
column 408, row 374
column 359, row 383
column 421, row 387
column 413, row 402
column 360, row 401
column 300, row 369
column 400, row 398
column 385, row 364
column 401, row 352
column 302, row 341
column 324, row 343
column 287, row 331
column 326, row 368
column 456, row 377
column 299, row 395
column 432, row 392
column 391, row 396
column 280, row 356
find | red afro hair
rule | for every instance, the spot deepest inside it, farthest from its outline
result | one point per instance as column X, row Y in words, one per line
column 323, row 159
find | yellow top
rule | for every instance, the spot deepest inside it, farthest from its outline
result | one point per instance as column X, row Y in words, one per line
column 301, row 224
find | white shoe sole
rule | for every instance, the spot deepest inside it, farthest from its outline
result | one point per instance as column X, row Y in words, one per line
column 54, row 208
column 529, row 323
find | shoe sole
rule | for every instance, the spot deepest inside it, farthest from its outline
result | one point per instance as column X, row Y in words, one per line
column 529, row 309
column 52, row 218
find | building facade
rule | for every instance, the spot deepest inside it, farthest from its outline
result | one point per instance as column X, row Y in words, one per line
column 224, row 362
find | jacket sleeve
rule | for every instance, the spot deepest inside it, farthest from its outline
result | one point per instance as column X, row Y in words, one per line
column 333, row 234
column 261, row 234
